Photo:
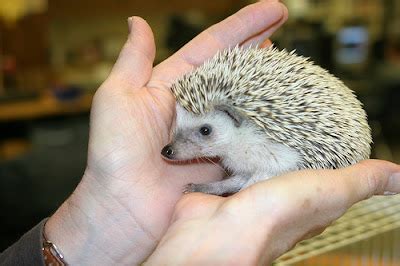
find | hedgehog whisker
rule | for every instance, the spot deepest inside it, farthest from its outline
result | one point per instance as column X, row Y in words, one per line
column 214, row 163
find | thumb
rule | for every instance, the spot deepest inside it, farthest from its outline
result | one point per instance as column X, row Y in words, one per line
column 135, row 61
column 374, row 177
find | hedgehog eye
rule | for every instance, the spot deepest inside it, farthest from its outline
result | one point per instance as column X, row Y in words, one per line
column 205, row 130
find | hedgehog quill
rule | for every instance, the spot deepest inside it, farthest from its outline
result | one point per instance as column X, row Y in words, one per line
column 265, row 112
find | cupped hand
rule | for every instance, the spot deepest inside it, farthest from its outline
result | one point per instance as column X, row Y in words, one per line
column 126, row 198
column 260, row 223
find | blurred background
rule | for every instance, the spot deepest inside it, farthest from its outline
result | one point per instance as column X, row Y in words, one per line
column 54, row 54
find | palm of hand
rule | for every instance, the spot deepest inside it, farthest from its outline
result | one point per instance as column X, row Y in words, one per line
column 126, row 155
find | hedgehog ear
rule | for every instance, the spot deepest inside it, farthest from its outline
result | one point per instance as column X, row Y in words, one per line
column 231, row 111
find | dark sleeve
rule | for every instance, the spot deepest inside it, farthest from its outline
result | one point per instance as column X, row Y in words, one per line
column 27, row 250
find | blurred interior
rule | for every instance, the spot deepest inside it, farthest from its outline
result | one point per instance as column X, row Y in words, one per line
column 54, row 54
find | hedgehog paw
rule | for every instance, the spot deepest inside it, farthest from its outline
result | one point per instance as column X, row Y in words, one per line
column 189, row 188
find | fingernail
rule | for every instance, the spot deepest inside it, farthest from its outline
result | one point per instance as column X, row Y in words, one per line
column 393, row 184
column 266, row 43
column 130, row 22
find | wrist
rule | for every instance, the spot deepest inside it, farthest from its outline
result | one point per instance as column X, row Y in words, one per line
column 89, row 228
column 62, row 229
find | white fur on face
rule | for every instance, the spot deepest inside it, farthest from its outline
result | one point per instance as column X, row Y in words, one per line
column 189, row 143
column 244, row 150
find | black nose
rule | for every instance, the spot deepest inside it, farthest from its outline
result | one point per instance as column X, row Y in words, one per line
column 168, row 152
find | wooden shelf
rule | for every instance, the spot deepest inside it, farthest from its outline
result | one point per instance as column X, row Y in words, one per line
column 45, row 106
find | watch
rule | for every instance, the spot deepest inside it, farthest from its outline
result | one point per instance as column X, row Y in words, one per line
column 51, row 254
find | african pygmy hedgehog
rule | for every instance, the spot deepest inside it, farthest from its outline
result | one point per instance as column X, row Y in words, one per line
column 265, row 112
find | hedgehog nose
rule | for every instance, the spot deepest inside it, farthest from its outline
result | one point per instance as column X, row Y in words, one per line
column 168, row 152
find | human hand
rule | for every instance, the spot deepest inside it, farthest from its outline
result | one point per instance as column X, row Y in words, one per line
column 260, row 223
column 126, row 198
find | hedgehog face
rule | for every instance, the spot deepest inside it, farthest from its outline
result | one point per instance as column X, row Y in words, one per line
column 208, row 135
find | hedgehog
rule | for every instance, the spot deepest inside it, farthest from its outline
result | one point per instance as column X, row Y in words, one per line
column 264, row 112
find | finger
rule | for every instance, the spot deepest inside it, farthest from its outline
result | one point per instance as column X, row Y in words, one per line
column 333, row 190
column 134, row 64
column 372, row 177
column 249, row 21
column 261, row 37
column 205, row 205
column 256, row 40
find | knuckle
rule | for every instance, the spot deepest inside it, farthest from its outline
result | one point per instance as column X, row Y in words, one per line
column 373, row 182
column 372, row 173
